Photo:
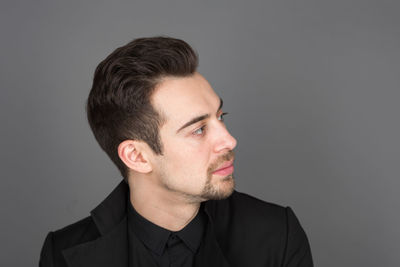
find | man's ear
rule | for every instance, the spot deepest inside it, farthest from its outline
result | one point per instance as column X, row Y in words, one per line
column 135, row 155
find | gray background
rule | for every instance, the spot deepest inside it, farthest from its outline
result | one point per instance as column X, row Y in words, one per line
column 311, row 87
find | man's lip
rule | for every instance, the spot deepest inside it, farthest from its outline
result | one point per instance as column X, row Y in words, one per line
column 225, row 165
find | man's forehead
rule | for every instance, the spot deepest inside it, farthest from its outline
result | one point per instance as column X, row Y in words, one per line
column 181, row 98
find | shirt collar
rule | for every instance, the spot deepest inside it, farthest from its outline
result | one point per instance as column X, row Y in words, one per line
column 113, row 209
column 193, row 232
column 155, row 237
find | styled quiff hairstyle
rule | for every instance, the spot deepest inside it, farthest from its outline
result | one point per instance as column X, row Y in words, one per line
column 119, row 107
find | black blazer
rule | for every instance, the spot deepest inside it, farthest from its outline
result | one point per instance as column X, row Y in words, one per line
column 243, row 231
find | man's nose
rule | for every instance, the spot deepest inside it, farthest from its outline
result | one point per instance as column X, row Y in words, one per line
column 226, row 141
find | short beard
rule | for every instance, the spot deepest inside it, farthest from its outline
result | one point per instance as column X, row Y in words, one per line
column 210, row 191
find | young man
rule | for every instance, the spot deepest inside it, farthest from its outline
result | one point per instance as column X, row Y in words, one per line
column 162, row 124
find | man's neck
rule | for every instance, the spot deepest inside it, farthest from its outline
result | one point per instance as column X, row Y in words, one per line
column 163, row 208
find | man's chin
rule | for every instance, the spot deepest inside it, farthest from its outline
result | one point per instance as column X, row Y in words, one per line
column 223, row 191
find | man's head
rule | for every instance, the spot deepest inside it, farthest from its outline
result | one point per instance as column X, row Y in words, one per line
column 144, row 98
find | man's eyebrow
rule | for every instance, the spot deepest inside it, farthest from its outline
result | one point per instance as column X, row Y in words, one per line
column 200, row 118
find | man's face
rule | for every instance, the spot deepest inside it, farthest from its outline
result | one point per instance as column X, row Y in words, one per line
column 195, row 140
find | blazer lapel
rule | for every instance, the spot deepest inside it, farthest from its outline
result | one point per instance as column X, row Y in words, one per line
column 111, row 249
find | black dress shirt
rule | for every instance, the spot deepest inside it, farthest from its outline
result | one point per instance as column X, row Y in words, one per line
column 168, row 248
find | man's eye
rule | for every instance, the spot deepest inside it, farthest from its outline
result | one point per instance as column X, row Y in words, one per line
column 221, row 117
column 200, row 131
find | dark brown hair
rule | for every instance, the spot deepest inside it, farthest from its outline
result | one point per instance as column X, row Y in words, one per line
column 119, row 107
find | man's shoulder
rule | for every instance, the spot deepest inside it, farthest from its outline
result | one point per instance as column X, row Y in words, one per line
column 69, row 236
column 246, row 204
column 243, row 199
column 75, row 233
column 242, row 220
column 259, row 211
column 250, row 228
column 248, row 210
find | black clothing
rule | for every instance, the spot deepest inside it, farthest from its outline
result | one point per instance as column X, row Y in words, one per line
column 241, row 231
column 168, row 248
